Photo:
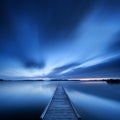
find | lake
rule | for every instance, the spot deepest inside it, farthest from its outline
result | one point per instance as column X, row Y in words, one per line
column 21, row 100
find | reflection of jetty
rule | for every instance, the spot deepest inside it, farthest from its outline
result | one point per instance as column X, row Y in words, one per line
column 60, row 107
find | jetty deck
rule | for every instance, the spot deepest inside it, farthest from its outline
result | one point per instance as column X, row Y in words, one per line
column 60, row 107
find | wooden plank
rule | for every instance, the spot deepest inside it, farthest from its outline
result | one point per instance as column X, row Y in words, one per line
column 60, row 107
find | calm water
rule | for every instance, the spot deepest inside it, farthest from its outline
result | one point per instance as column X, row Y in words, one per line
column 27, row 100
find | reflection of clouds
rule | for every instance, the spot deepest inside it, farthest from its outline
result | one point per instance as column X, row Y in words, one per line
column 26, row 88
column 96, row 106
column 20, row 93
column 93, row 82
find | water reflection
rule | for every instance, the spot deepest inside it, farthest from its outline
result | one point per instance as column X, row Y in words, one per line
column 24, row 100
column 95, row 101
column 27, row 100
column 92, row 107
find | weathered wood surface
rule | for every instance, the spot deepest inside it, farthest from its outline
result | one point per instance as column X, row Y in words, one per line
column 60, row 107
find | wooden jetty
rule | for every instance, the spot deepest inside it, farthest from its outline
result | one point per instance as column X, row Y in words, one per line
column 60, row 107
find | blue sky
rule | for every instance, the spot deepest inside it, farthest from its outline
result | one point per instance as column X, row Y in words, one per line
column 59, row 39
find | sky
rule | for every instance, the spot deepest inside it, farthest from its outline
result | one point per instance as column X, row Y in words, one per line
column 60, row 39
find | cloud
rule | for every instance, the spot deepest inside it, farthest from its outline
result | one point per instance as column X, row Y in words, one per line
column 60, row 37
column 33, row 64
column 109, row 68
column 55, row 18
column 115, row 45
column 58, row 70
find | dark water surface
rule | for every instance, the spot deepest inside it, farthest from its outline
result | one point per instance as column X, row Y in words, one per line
column 95, row 100
column 26, row 100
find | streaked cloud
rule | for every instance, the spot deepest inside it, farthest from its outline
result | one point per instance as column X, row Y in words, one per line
column 59, row 38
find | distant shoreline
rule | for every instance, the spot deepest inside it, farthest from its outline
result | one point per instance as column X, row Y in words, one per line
column 109, row 81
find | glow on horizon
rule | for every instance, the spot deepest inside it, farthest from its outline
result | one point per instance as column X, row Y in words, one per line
column 85, row 79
